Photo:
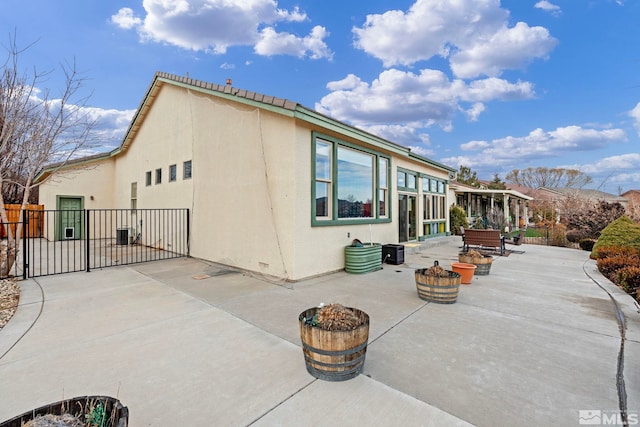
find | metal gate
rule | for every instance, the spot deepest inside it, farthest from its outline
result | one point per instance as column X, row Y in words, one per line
column 85, row 239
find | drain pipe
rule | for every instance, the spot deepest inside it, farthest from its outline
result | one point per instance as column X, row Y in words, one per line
column 622, row 326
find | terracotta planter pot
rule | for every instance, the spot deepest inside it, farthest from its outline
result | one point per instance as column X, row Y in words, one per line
column 465, row 270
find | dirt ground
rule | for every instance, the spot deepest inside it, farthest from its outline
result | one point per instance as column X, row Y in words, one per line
column 9, row 298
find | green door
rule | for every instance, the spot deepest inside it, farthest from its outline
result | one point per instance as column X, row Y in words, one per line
column 70, row 224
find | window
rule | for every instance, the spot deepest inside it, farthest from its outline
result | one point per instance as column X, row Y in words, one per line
column 407, row 180
column 323, row 178
column 148, row 178
column 355, row 183
column 349, row 183
column 434, row 207
column 172, row 173
column 158, row 176
column 134, row 196
column 186, row 170
column 383, row 186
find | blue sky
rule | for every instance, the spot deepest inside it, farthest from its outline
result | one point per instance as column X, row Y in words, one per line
column 492, row 85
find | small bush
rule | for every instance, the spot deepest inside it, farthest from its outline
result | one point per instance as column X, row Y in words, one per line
column 587, row 244
column 559, row 235
column 621, row 232
column 575, row 236
column 628, row 278
column 610, row 251
column 457, row 218
column 609, row 266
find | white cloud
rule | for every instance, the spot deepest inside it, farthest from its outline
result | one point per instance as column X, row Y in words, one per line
column 215, row 25
column 227, row 66
column 547, row 6
column 507, row 48
column 125, row 19
column 110, row 127
column 473, row 34
column 635, row 115
column 426, row 98
column 625, row 162
column 539, row 144
column 409, row 135
column 273, row 43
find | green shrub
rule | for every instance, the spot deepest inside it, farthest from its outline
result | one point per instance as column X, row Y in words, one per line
column 587, row 244
column 609, row 266
column 628, row 278
column 621, row 232
column 457, row 218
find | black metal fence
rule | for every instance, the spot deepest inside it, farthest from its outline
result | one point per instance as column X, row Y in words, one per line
column 81, row 240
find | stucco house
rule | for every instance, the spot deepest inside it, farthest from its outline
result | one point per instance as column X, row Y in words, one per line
column 273, row 187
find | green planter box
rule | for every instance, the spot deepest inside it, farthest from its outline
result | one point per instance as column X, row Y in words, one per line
column 363, row 259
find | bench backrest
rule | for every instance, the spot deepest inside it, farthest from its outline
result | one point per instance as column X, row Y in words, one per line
column 482, row 237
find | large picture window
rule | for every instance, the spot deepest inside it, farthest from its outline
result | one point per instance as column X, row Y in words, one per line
column 355, row 183
column 350, row 183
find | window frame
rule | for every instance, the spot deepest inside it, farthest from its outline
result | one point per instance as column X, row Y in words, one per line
column 148, row 181
column 434, row 209
column 184, row 169
column 158, row 176
column 173, row 173
column 332, row 218
column 134, row 196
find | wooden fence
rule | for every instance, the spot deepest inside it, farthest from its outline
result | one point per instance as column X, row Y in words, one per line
column 36, row 220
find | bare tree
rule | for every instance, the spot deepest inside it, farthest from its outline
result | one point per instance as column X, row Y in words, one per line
column 36, row 129
column 548, row 177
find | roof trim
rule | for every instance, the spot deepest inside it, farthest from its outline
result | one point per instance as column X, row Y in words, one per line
column 274, row 104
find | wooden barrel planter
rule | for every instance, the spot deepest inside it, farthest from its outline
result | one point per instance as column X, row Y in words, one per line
column 441, row 290
column 333, row 355
column 362, row 258
column 89, row 410
column 483, row 263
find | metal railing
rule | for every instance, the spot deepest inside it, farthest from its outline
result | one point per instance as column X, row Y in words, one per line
column 81, row 240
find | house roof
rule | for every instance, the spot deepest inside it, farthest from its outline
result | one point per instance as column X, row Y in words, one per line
column 271, row 103
column 458, row 187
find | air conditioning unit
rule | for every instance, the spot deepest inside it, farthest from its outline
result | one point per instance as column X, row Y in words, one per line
column 69, row 233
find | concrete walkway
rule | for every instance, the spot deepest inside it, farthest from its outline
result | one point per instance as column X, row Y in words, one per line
column 186, row 343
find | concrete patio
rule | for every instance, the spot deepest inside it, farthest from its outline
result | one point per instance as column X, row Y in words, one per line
column 185, row 342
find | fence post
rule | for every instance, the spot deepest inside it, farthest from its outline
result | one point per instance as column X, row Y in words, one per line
column 188, row 234
column 87, row 231
column 25, row 248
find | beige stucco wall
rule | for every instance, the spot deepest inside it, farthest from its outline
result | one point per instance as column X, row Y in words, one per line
column 93, row 179
column 250, row 193
column 93, row 182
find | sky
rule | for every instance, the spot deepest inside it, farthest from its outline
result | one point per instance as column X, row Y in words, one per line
column 491, row 85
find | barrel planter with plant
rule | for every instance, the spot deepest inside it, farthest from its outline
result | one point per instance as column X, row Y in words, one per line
column 482, row 262
column 103, row 411
column 334, row 341
column 435, row 284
